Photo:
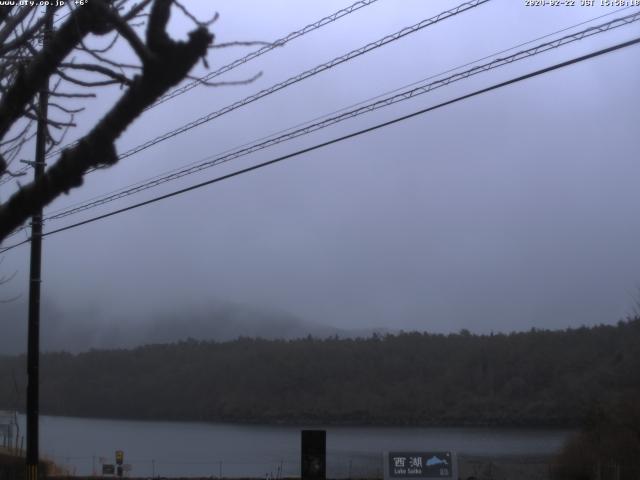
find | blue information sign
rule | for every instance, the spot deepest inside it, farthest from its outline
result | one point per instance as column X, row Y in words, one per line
column 420, row 465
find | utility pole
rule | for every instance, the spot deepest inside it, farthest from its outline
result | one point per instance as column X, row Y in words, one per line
column 33, row 345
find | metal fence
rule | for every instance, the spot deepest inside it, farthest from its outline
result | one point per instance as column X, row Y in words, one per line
column 340, row 465
column 355, row 465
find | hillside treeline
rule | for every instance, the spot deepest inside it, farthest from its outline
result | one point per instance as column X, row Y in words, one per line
column 536, row 378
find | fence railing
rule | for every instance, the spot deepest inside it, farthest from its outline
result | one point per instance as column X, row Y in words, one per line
column 340, row 465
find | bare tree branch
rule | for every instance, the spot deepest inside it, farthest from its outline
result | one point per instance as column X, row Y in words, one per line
column 97, row 56
column 65, row 109
column 5, row 10
column 167, row 63
column 90, row 67
column 50, row 121
column 18, row 135
column 226, row 83
column 135, row 10
column 105, row 49
column 31, row 79
column 238, row 44
column 25, row 36
column 87, row 83
column 129, row 35
column 189, row 15
column 12, row 23
column 71, row 95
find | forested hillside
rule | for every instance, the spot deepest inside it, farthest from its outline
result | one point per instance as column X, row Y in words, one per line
column 535, row 378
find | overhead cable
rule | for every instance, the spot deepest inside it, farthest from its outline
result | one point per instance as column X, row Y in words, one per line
column 298, row 78
column 266, row 48
column 251, row 56
column 343, row 109
column 390, row 100
column 306, row 74
column 496, row 86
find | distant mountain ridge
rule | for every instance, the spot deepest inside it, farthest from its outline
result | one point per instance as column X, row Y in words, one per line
column 92, row 329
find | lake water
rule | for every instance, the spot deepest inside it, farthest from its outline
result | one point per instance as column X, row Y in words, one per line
column 209, row 449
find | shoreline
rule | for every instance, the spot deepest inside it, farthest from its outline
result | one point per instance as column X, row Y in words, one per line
column 507, row 466
column 303, row 423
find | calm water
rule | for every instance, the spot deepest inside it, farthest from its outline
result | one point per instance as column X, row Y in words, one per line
column 206, row 449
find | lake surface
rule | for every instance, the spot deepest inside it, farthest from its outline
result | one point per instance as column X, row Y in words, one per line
column 209, row 449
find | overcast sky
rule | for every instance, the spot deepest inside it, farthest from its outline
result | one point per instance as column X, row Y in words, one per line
column 515, row 209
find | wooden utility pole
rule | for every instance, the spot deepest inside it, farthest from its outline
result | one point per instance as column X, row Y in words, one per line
column 33, row 345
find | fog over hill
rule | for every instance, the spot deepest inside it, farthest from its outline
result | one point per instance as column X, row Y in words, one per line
column 77, row 330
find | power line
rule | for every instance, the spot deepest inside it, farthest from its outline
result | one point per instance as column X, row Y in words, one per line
column 233, row 154
column 395, row 90
column 406, row 95
column 273, row 135
column 251, row 56
column 306, row 74
column 266, row 48
column 344, row 137
column 292, row 80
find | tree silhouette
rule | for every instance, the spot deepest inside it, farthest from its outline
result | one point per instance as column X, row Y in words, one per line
column 27, row 65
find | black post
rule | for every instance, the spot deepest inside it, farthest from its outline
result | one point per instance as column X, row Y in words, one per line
column 33, row 346
column 314, row 455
